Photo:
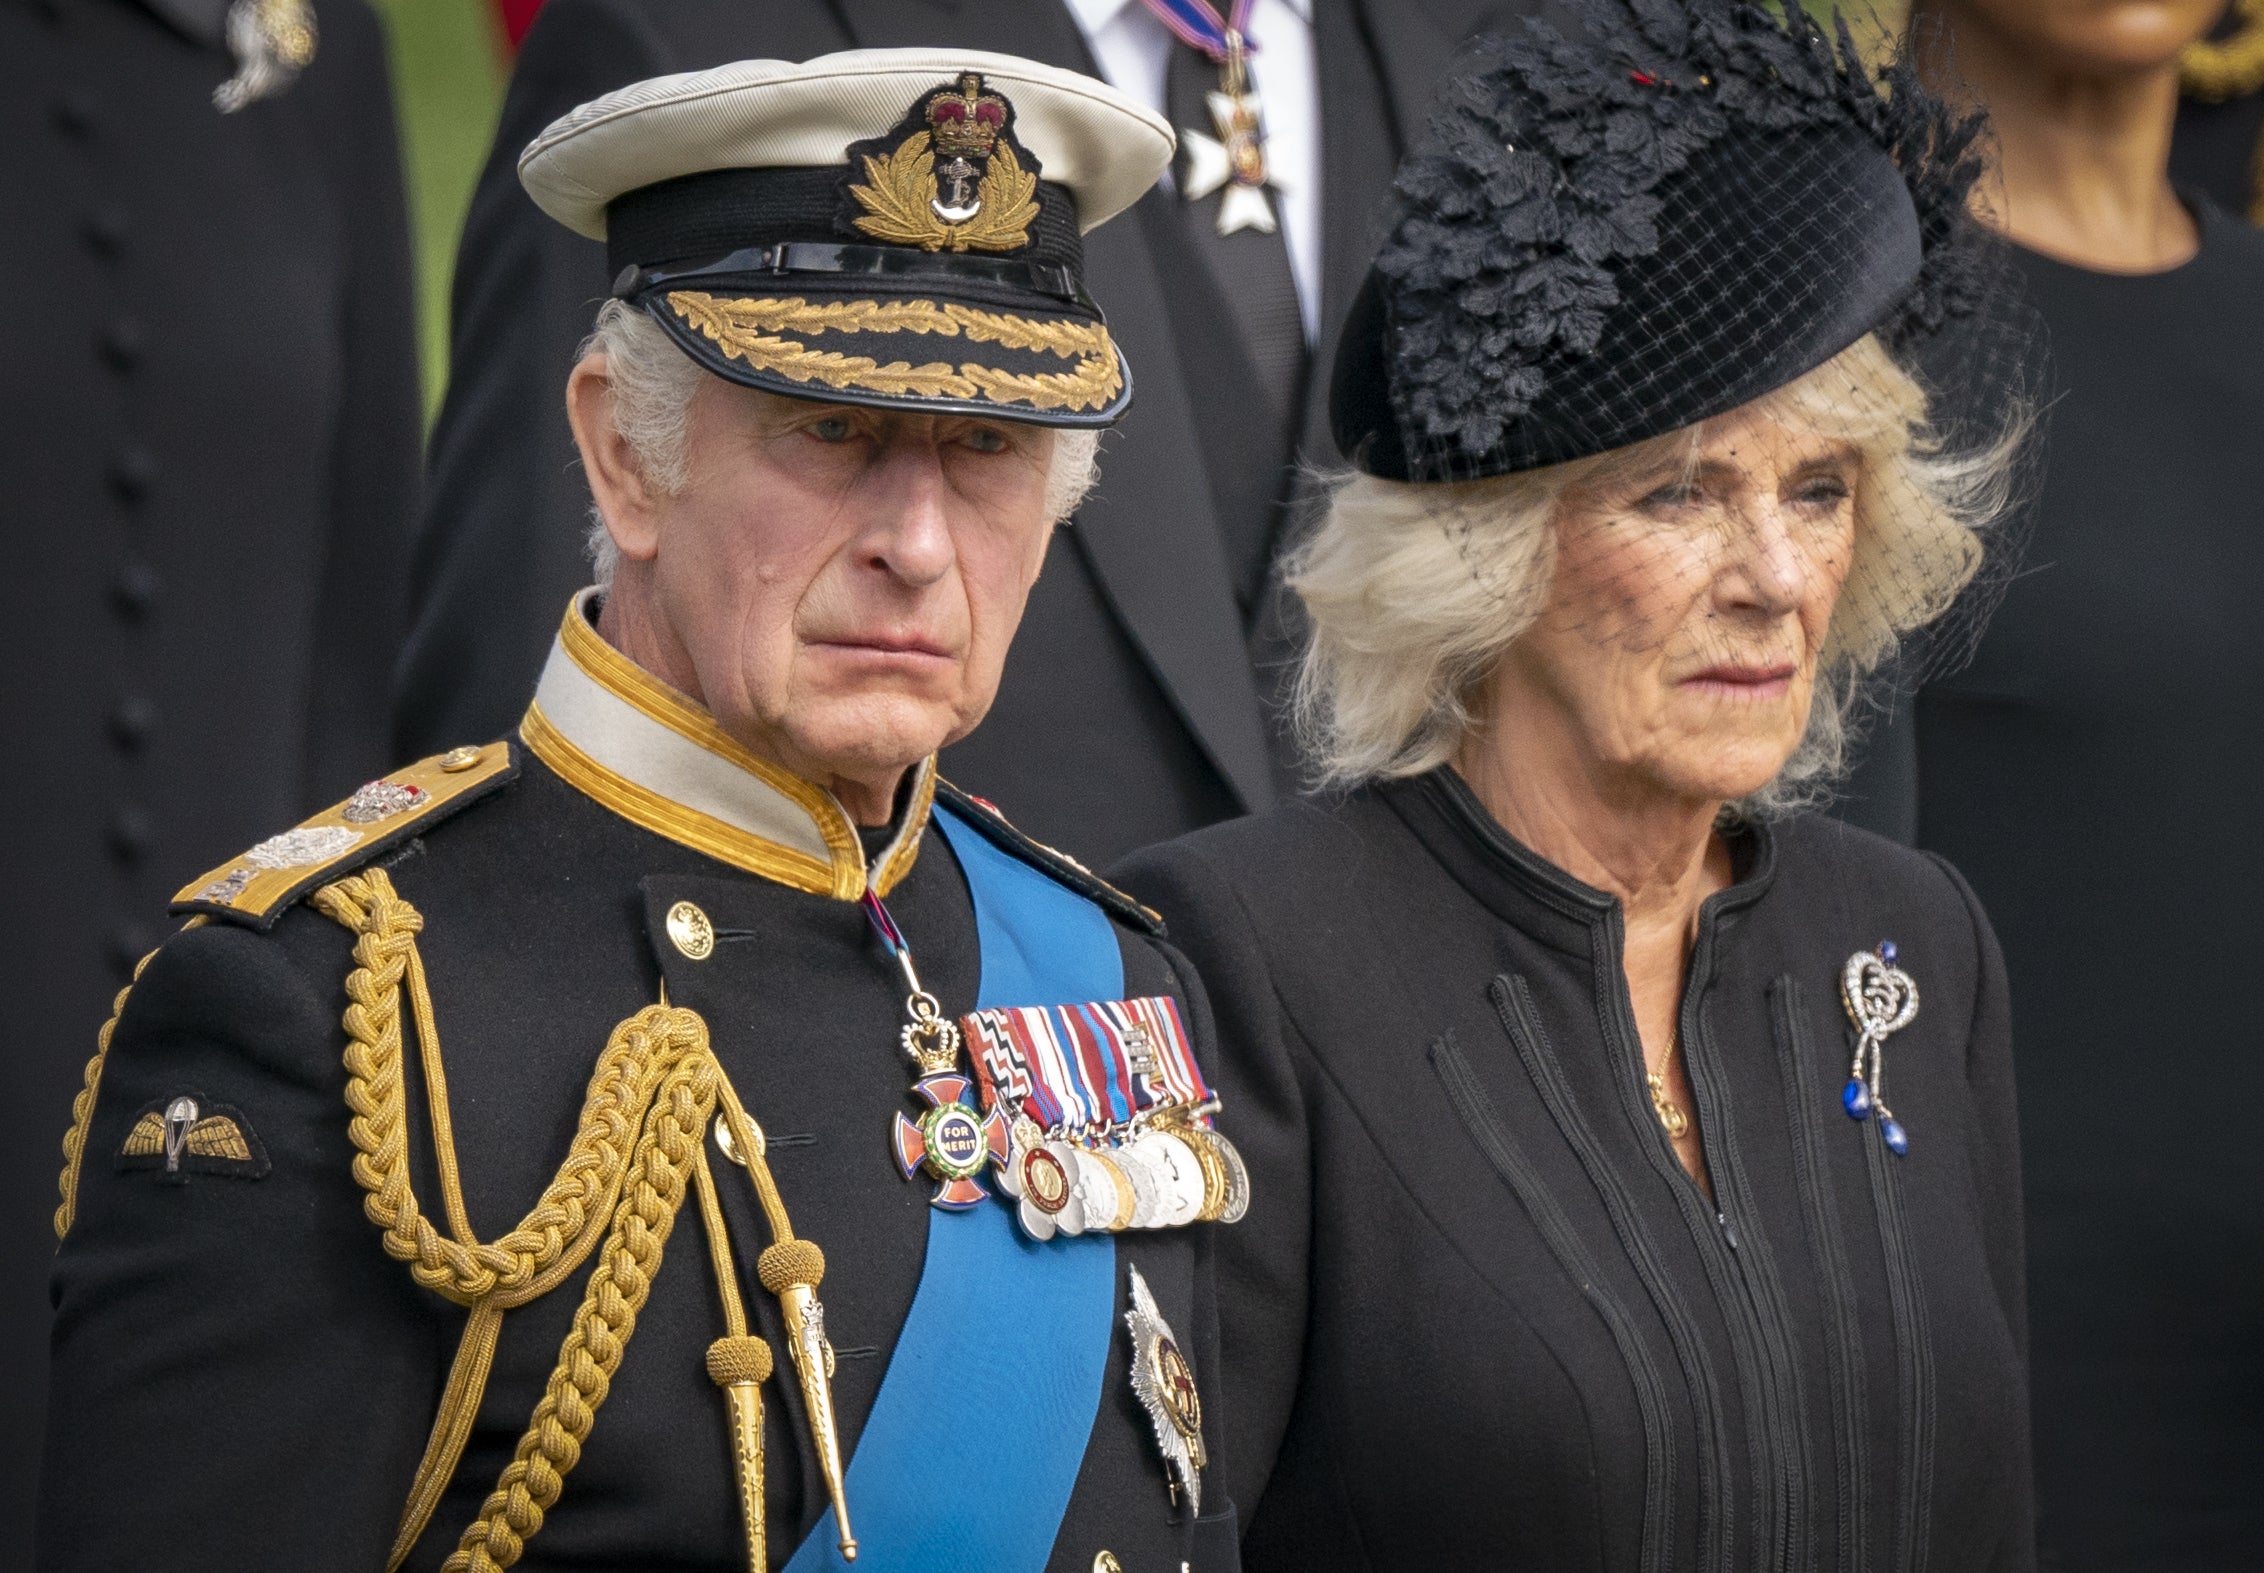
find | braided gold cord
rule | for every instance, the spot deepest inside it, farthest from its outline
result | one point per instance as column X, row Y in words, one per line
column 82, row 1106
column 625, row 1177
column 557, row 1234
column 554, row 1238
column 661, row 1167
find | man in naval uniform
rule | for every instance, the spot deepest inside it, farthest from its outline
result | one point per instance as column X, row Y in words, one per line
column 690, row 1134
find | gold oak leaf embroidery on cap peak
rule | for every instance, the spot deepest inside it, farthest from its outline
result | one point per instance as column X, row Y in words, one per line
column 748, row 330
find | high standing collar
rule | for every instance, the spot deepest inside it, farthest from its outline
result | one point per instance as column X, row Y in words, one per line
column 1527, row 890
column 621, row 736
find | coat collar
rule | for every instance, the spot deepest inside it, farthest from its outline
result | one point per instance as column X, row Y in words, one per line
column 1525, row 889
column 621, row 736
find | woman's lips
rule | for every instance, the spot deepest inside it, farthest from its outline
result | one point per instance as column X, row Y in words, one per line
column 1743, row 682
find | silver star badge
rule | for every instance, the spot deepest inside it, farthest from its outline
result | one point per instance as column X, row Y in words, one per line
column 1165, row 1385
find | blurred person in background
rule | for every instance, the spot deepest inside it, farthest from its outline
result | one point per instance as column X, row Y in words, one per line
column 2093, row 772
column 212, row 421
column 2219, row 143
column 1136, row 657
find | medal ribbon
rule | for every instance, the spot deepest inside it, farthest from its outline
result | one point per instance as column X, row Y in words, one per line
column 891, row 936
column 1084, row 1069
column 1199, row 25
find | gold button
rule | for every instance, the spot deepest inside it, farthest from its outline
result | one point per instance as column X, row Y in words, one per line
column 460, row 759
column 1106, row 1563
column 690, row 931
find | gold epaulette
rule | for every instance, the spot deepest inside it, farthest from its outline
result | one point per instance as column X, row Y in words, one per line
column 256, row 887
column 987, row 818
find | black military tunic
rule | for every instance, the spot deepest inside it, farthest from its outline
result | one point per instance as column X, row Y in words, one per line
column 240, row 1347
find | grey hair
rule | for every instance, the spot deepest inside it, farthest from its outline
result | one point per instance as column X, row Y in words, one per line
column 1414, row 591
column 652, row 383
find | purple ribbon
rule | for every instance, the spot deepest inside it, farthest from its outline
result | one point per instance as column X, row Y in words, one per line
column 1198, row 24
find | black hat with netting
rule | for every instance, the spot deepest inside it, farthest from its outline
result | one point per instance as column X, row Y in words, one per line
column 1620, row 234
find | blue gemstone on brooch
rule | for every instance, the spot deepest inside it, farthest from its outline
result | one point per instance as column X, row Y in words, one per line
column 1887, row 951
column 1898, row 1140
column 1856, row 1099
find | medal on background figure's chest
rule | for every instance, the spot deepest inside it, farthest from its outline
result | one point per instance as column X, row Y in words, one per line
column 1235, row 158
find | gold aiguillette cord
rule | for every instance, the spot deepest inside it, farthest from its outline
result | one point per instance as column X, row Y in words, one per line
column 791, row 1269
column 739, row 1363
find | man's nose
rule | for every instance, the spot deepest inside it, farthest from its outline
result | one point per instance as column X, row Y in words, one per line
column 909, row 523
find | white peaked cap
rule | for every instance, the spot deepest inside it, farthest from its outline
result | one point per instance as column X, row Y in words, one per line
column 768, row 114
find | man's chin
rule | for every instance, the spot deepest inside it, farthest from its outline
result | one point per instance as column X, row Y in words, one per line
column 868, row 736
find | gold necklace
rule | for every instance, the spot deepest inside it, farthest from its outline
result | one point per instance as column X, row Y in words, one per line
column 1669, row 1112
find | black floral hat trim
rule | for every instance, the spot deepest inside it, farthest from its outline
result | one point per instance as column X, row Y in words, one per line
column 1551, row 175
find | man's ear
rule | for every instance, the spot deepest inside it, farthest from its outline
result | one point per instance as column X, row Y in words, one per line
column 625, row 501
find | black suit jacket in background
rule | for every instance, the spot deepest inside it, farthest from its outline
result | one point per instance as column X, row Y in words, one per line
column 1130, row 709
column 212, row 430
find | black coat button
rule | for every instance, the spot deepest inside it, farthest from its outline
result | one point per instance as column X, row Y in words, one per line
column 106, row 229
column 75, row 112
column 132, row 720
column 133, row 472
column 132, row 834
column 134, row 591
column 124, row 342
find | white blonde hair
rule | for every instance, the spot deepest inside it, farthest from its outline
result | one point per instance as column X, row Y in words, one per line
column 1414, row 590
column 651, row 384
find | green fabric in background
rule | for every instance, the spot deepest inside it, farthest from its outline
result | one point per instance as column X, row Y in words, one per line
column 449, row 65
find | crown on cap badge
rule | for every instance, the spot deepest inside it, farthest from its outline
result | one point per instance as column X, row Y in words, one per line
column 954, row 182
column 967, row 123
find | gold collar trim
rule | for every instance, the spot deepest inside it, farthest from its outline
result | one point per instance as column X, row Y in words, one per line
column 621, row 736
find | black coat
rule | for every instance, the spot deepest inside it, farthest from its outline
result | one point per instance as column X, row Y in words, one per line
column 1134, row 660
column 1479, row 1316
column 212, row 424
column 244, row 1378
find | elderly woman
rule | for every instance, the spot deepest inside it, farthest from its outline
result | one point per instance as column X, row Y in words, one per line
column 1635, row 1170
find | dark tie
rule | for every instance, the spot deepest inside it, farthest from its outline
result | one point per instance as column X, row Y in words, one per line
column 1248, row 393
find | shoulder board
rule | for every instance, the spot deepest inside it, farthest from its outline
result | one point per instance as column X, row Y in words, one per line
column 256, row 887
column 1060, row 866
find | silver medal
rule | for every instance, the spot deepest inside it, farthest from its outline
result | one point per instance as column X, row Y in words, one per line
column 1181, row 1174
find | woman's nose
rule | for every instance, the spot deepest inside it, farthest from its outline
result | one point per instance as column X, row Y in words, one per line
column 1770, row 570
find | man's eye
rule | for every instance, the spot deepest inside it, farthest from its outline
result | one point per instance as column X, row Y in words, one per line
column 984, row 440
column 833, row 428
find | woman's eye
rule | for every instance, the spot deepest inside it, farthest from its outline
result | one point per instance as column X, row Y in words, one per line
column 1823, row 491
column 984, row 440
column 833, row 428
column 1668, row 498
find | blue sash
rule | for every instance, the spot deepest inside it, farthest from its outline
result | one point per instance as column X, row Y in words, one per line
column 972, row 1449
